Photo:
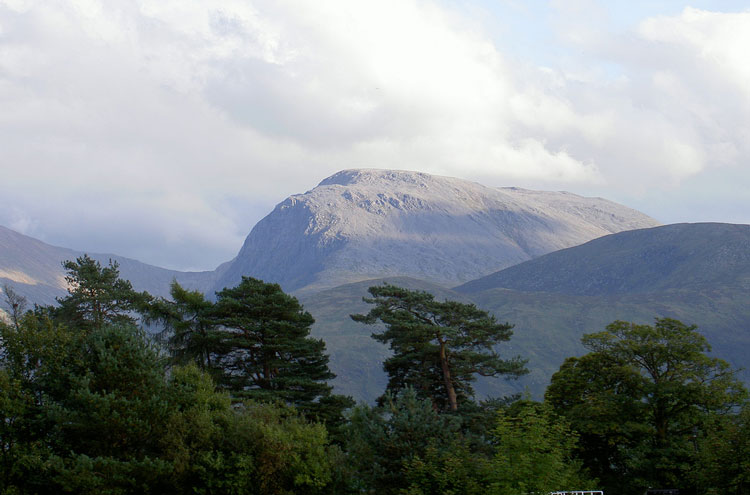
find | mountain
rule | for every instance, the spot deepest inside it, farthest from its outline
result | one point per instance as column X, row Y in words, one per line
column 679, row 256
column 364, row 224
column 358, row 225
column 34, row 269
column 696, row 273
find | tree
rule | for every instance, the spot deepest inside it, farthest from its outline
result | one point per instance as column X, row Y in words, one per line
column 535, row 452
column 438, row 347
column 107, row 429
column 267, row 353
column 33, row 358
column 82, row 411
column 249, row 448
column 457, row 470
column 640, row 398
column 190, row 326
column 97, row 295
column 15, row 303
column 724, row 454
column 382, row 441
column 95, row 413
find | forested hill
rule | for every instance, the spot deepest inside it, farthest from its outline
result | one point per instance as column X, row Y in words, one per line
column 679, row 256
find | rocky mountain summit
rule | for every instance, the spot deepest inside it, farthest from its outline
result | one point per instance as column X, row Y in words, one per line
column 363, row 224
column 358, row 225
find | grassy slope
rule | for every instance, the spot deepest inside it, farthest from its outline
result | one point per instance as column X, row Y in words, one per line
column 355, row 357
column 548, row 328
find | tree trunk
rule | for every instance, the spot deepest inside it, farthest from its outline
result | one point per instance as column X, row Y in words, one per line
column 447, row 377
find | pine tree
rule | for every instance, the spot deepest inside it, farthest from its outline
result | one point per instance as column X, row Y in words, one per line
column 98, row 296
column 438, row 347
column 190, row 326
column 267, row 352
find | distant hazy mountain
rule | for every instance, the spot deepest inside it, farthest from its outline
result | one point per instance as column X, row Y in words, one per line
column 697, row 273
column 678, row 256
column 364, row 224
column 34, row 269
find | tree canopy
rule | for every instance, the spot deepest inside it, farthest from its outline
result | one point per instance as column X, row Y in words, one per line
column 640, row 398
column 438, row 347
column 91, row 403
column 255, row 341
column 190, row 326
column 97, row 413
column 97, row 295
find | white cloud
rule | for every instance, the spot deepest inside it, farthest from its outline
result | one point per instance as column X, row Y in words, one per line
column 168, row 115
column 718, row 40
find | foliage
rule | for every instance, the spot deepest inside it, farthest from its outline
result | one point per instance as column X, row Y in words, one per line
column 266, row 352
column 95, row 412
column 82, row 408
column 638, row 399
column 438, row 347
column 724, row 454
column 382, row 440
column 292, row 455
column 449, row 471
column 407, row 447
column 252, row 448
column 535, row 452
column 88, row 404
column 97, row 295
column 190, row 326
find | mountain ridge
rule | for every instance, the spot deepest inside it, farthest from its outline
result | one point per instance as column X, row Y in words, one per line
column 361, row 224
column 637, row 261
column 549, row 321
column 34, row 269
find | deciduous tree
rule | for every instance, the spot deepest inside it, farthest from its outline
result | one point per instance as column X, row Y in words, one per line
column 535, row 453
column 640, row 398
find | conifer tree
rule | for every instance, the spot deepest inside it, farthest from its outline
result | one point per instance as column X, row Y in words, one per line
column 97, row 295
column 267, row 352
column 438, row 347
column 190, row 326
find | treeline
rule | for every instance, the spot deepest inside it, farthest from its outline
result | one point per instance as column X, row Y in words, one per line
column 232, row 397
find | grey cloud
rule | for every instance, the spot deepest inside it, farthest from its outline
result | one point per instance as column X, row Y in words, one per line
column 164, row 135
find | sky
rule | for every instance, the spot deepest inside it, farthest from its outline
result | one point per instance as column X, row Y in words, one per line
column 164, row 130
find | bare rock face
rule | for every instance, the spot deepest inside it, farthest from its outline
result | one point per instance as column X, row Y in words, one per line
column 364, row 224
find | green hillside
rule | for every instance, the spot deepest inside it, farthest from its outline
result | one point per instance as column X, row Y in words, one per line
column 549, row 326
column 679, row 256
column 355, row 357
column 697, row 273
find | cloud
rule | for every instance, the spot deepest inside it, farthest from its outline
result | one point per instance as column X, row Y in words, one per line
column 164, row 130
